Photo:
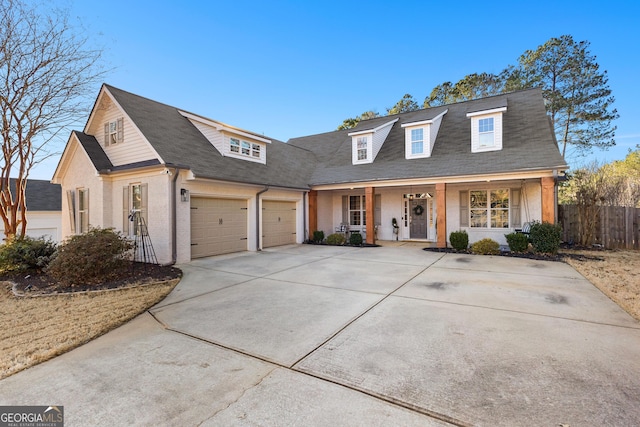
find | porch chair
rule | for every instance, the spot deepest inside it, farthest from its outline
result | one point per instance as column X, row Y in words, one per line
column 526, row 229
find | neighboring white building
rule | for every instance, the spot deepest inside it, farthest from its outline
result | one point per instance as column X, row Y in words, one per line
column 44, row 209
column 206, row 188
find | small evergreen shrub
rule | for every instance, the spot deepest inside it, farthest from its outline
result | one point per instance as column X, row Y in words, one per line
column 335, row 239
column 318, row 236
column 518, row 242
column 26, row 253
column 97, row 256
column 486, row 247
column 545, row 237
column 459, row 240
column 355, row 239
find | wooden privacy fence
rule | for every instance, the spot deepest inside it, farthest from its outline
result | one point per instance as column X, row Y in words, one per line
column 617, row 227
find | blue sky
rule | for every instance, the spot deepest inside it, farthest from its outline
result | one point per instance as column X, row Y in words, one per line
column 294, row 68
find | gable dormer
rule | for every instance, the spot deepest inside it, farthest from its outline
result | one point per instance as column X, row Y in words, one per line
column 231, row 141
column 420, row 136
column 366, row 143
column 486, row 129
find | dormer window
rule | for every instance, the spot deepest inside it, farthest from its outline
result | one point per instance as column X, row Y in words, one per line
column 362, row 147
column 420, row 136
column 367, row 142
column 417, row 141
column 486, row 130
column 486, row 136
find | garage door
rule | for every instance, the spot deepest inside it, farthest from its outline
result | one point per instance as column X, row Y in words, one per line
column 278, row 223
column 218, row 226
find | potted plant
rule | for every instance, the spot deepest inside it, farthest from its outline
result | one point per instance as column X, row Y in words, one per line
column 394, row 223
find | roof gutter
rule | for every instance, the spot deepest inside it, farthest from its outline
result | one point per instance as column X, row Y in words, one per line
column 264, row 190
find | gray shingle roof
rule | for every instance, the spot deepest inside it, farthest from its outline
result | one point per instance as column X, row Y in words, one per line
column 178, row 142
column 41, row 195
column 528, row 144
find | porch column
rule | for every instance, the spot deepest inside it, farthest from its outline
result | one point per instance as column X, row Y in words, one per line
column 441, row 216
column 313, row 212
column 370, row 207
column 548, row 199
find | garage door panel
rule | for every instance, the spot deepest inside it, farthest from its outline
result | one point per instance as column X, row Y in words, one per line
column 279, row 223
column 218, row 226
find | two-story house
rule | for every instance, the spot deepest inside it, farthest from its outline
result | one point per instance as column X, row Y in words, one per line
column 206, row 188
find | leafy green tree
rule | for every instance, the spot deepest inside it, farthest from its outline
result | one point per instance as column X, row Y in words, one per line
column 578, row 96
column 353, row 121
column 406, row 104
column 472, row 86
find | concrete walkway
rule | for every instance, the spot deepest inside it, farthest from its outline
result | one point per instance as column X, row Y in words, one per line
column 318, row 335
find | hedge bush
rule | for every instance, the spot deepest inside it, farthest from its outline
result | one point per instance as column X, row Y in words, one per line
column 318, row 236
column 486, row 247
column 355, row 239
column 545, row 237
column 459, row 240
column 97, row 256
column 518, row 242
column 336, row 239
column 26, row 253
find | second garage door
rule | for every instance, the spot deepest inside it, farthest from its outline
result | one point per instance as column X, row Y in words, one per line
column 278, row 223
column 218, row 226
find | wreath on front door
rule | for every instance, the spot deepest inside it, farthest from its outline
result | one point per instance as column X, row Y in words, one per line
column 418, row 210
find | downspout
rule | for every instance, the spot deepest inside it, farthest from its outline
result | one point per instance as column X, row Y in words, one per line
column 174, row 214
column 264, row 190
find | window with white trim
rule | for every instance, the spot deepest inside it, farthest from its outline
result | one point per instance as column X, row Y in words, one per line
column 83, row 211
column 489, row 208
column 362, row 147
column 234, row 145
column 486, row 136
column 242, row 148
column 417, row 141
column 486, row 130
column 255, row 150
column 113, row 132
column 357, row 211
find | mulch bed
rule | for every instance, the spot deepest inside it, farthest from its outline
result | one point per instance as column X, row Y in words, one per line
column 560, row 256
column 39, row 283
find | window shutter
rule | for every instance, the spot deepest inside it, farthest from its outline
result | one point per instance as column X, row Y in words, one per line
column 120, row 130
column 144, row 188
column 106, row 134
column 464, row 209
column 85, row 219
column 125, row 210
column 514, row 203
column 71, row 206
column 345, row 209
column 378, row 209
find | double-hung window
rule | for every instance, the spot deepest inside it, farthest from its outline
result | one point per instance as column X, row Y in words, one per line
column 362, row 147
column 489, row 208
column 357, row 211
column 486, row 136
column 83, row 210
column 234, row 145
column 417, row 141
column 113, row 132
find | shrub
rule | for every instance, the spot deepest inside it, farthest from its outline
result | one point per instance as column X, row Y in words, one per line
column 318, row 236
column 26, row 253
column 355, row 239
column 459, row 240
column 545, row 237
column 486, row 247
column 518, row 242
column 97, row 256
column 335, row 239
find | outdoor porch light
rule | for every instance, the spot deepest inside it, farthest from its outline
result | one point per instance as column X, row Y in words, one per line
column 184, row 194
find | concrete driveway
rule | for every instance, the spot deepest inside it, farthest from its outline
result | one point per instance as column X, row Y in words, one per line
column 316, row 335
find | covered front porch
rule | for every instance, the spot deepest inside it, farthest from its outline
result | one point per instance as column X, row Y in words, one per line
column 427, row 212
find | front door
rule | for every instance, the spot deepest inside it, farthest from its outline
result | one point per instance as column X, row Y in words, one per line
column 418, row 219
